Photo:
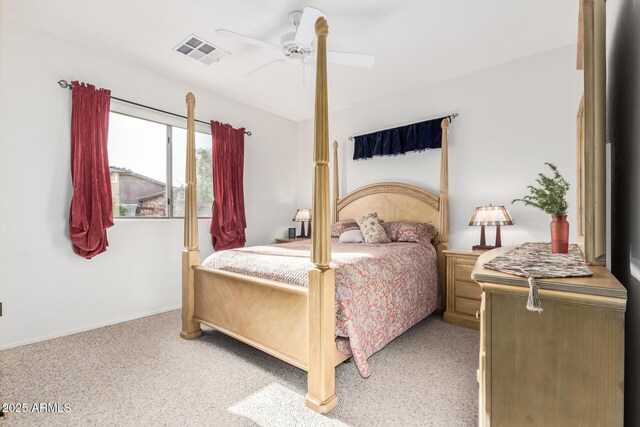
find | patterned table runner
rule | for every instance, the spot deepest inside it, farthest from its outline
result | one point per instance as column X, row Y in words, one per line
column 535, row 260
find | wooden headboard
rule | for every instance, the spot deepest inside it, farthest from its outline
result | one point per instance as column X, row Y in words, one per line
column 393, row 201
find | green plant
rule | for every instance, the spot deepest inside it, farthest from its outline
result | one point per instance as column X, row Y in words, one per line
column 550, row 196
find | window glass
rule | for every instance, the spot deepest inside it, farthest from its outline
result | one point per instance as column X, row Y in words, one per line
column 138, row 166
column 204, row 171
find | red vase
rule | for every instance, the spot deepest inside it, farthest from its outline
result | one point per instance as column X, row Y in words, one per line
column 559, row 234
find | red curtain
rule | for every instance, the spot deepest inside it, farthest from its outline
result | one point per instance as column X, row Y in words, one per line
column 91, row 212
column 228, row 220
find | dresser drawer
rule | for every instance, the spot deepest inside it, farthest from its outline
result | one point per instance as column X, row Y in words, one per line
column 467, row 306
column 468, row 290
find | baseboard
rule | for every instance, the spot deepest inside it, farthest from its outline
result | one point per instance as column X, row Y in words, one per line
column 87, row 328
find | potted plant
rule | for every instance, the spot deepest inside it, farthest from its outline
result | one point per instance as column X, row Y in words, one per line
column 551, row 197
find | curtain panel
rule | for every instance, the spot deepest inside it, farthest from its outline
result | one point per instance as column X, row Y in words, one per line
column 91, row 212
column 228, row 221
column 420, row 136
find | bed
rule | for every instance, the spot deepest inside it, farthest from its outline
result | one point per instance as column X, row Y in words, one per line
column 285, row 318
column 381, row 289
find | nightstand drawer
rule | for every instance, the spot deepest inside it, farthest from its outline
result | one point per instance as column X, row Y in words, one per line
column 463, row 293
column 468, row 290
column 463, row 269
column 467, row 306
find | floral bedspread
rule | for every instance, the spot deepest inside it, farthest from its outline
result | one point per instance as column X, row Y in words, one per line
column 381, row 289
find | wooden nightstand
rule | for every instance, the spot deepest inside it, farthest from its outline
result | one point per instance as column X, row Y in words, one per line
column 287, row 240
column 463, row 293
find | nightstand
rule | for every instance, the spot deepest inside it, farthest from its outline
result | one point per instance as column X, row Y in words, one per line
column 463, row 293
column 286, row 240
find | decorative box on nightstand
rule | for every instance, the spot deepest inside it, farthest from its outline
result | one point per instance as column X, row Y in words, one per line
column 463, row 294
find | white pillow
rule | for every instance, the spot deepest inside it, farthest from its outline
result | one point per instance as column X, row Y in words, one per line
column 352, row 236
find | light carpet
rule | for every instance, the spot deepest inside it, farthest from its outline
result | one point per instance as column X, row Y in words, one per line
column 140, row 373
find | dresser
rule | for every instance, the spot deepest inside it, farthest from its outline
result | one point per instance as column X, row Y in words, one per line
column 563, row 366
column 463, row 294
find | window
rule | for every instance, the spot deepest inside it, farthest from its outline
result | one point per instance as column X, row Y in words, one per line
column 204, row 171
column 145, row 155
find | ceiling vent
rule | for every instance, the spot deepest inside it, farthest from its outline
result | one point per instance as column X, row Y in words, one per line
column 202, row 51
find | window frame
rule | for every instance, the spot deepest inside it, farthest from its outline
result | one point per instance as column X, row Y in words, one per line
column 169, row 121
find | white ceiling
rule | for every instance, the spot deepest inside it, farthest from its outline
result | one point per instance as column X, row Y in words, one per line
column 416, row 42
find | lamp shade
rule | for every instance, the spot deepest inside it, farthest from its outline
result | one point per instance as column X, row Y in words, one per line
column 302, row 215
column 491, row 215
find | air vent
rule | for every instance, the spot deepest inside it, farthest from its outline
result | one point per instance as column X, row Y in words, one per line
column 202, row 51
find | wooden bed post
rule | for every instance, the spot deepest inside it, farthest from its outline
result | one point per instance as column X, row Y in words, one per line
column 321, row 387
column 444, row 184
column 190, row 253
column 443, row 235
column 336, row 184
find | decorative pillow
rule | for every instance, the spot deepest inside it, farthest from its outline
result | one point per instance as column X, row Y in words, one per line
column 372, row 229
column 352, row 236
column 340, row 227
column 403, row 231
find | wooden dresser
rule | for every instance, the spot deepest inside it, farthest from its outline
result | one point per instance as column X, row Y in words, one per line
column 561, row 367
column 463, row 294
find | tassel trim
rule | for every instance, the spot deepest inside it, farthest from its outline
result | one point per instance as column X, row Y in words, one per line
column 533, row 302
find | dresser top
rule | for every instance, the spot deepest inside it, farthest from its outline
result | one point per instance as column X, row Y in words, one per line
column 602, row 283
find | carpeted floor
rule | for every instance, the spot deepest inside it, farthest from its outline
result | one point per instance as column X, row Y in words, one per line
column 141, row 373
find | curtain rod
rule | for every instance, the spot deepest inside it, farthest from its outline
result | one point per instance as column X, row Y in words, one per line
column 449, row 117
column 65, row 84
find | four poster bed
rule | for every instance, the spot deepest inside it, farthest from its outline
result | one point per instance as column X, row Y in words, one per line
column 294, row 323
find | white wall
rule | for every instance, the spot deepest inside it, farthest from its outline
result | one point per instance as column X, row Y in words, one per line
column 45, row 288
column 513, row 118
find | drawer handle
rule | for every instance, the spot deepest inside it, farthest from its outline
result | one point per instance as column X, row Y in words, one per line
column 477, row 315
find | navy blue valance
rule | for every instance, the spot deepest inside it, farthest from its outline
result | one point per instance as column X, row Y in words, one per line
column 392, row 142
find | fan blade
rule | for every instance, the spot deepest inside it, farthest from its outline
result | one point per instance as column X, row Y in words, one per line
column 307, row 27
column 264, row 66
column 308, row 73
column 248, row 40
column 353, row 59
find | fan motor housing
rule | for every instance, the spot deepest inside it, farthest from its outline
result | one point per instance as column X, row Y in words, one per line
column 289, row 45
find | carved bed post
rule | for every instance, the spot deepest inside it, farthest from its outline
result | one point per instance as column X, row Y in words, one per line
column 321, row 389
column 190, row 253
column 444, row 183
column 443, row 235
column 336, row 184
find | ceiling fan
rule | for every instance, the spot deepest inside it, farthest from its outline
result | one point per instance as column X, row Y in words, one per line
column 298, row 45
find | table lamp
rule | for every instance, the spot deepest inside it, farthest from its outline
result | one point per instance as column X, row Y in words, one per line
column 303, row 215
column 490, row 215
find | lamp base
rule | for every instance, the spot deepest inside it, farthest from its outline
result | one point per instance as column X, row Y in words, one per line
column 302, row 232
column 482, row 247
column 483, row 242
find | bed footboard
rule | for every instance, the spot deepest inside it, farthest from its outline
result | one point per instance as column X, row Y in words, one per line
column 267, row 315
